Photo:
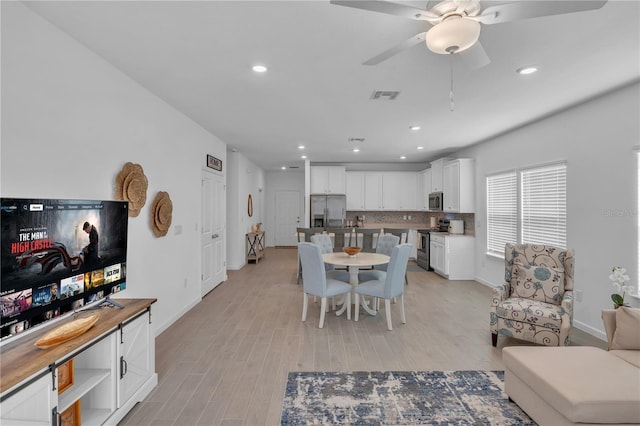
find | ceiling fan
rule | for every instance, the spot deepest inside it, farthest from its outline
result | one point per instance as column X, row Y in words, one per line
column 455, row 24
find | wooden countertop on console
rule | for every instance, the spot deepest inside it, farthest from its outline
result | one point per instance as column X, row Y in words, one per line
column 20, row 360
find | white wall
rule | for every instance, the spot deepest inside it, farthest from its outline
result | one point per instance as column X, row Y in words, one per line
column 70, row 121
column 243, row 178
column 596, row 139
column 286, row 180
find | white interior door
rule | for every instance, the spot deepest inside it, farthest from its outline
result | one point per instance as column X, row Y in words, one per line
column 288, row 217
column 213, row 231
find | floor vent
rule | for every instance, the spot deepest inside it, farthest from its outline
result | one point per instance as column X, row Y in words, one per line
column 384, row 95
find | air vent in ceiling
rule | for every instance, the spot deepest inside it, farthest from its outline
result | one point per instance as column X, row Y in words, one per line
column 384, row 95
column 356, row 140
column 294, row 167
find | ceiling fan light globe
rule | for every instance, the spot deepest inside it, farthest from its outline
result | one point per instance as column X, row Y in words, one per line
column 453, row 35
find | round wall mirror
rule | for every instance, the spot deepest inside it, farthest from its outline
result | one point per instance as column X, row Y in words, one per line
column 250, row 206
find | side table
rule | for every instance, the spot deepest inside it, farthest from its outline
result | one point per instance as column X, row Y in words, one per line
column 254, row 246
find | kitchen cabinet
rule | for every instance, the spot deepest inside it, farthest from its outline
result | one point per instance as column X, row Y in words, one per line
column 452, row 256
column 436, row 253
column 458, row 186
column 355, row 191
column 424, row 188
column 327, row 180
column 113, row 369
column 373, row 191
column 392, row 191
column 398, row 191
column 437, row 170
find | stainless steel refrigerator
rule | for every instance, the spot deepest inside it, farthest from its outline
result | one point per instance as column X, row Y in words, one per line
column 328, row 211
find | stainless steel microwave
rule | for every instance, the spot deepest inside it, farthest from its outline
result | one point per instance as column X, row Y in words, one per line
column 436, row 201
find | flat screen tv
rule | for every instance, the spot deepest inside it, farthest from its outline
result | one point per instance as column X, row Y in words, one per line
column 57, row 256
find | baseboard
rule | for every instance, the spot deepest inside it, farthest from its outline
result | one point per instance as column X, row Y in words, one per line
column 590, row 330
column 174, row 318
column 235, row 267
column 485, row 282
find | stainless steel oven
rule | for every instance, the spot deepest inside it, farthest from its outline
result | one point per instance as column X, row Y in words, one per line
column 422, row 254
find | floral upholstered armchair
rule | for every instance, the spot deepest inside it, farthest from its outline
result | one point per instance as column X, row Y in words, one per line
column 536, row 301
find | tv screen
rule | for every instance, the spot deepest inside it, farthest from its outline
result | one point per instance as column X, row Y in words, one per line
column 58, row 255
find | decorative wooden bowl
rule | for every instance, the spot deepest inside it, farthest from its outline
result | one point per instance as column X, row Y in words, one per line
column 66, row 332
column 352, row 251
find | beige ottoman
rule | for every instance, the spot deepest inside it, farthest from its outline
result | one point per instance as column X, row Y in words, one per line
column 572, row 385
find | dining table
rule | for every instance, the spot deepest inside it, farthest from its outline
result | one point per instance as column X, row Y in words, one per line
column 354, row 263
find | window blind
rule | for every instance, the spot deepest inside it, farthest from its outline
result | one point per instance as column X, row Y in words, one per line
column 502, row 211
column 544, row 205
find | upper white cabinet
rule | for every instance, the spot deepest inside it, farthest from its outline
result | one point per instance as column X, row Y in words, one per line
column 458, row 186
column 386, row 191
column 399, row 191
column 373, row 191
column 327, row 180
column 424, row 188
column 355, row 190
column 437, row 169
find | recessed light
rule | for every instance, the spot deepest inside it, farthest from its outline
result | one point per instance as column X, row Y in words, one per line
column 284, row 167
column 420, row 147
column 527, row 70
column 304, row 157
column 356, row 149
column 300, row 146
column 403, row 157
column 259, row 68
column 414, row 128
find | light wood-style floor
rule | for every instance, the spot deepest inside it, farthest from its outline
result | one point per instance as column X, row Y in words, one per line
column 226, row 361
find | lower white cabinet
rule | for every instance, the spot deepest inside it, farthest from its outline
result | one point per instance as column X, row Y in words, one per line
column 112, row 370
column 452, row 256
column 135, row 364
column 436, row 253
column 33, row 405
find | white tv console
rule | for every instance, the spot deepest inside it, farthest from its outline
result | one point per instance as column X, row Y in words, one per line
column 114, row 368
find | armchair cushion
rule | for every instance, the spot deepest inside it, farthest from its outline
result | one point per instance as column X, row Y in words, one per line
column 532, row 312
column 537, row 283
column 626, row 335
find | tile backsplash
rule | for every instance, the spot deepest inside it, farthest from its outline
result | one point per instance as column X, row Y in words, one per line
column 412, row 219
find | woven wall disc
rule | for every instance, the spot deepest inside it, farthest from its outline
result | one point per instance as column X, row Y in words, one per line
column 161, row 214
column 131, row 186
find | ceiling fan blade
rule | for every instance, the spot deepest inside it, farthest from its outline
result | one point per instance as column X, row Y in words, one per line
column 389, row 8
column 475, row 57
column 416, row 39
column 534, row 9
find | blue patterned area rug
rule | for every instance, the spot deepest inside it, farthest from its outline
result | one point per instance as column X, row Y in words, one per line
column 399, row 398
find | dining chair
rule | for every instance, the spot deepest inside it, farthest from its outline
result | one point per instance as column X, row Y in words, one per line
column 341, row 238
column 304, row 235
column 392, row 285
column 385, row 245
column 324, row 241
column 368, row 237
column 316, row 282
column 403, row 233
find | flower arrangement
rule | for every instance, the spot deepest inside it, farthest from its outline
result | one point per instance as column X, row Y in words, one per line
column 619, row 278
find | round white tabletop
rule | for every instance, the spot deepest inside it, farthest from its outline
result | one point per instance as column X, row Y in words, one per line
column 360, row 259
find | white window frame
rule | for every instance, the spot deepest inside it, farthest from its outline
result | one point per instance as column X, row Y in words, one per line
column 522, row 234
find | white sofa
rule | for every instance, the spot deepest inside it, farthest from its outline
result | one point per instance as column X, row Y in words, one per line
column 579, row 384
